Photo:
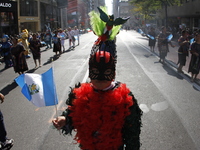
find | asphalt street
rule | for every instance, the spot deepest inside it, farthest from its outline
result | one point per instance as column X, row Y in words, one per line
column 169, row 100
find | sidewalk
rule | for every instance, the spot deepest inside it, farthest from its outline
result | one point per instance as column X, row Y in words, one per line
column 172, row 59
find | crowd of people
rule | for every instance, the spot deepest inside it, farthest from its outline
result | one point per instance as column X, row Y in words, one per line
column 189, row 43
column 14, row 50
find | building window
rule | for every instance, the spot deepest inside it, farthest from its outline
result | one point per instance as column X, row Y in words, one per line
column 28, row 8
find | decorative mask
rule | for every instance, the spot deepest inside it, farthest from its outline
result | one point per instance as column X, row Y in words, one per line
column 102, row 66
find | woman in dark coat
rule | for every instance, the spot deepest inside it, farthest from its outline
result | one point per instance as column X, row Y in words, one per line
column 56, row 43
column 18, row 57
column 195, row 59
column 152, row 41
column 183, row 50
column 35, row 49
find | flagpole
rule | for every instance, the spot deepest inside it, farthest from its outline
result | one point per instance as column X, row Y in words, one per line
column 56, row 108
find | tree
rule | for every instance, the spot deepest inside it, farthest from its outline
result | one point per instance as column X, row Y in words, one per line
column 147, row 7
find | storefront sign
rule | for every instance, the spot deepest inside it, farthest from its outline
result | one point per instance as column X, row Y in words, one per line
column 5, row 5
column 30, row 18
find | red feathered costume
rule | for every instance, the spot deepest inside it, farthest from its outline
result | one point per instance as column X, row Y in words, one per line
column 99, row 117
column 104, row 120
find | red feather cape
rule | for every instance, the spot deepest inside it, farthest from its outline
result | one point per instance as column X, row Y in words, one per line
column 98, row 117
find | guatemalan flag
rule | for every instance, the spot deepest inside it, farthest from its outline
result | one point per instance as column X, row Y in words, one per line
column 39, row 89
column 150, row 36
column 169, row 38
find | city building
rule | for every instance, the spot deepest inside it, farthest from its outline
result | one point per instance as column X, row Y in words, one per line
column 34, row 15
column 186, row 15
column 78, row 10
column 8, row 18
column 122, row 8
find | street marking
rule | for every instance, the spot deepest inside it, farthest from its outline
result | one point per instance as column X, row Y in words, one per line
column 160, row 106
column 86, row 76
column 85, row 46
column 144, row 108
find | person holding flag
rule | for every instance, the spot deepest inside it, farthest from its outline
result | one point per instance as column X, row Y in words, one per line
column 104, row 113
column 152, row 39
column 164, row 39
column 183, row 50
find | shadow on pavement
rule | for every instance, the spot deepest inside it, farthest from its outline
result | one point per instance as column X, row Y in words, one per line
column 171, row 72
column 31, row 70
column 9, row 88
column 4, row 69
column 51, row 59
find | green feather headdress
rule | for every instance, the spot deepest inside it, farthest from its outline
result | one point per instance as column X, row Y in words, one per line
column 98, row 25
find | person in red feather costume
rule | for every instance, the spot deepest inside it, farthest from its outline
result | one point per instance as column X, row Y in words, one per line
column 103, row 113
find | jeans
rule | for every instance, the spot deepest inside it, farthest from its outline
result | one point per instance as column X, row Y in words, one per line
column 48, row 43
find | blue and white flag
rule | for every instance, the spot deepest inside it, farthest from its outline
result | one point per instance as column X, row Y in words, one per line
column 150, row 36
column 169, row 38
column 39, row 89
column 191, row 40
column 140, row 31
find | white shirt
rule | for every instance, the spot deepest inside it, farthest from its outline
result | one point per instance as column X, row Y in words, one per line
column 70, row 34
column 76, row 32
column 62, row 35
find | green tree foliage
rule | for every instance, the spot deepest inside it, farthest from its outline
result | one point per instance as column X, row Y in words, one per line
column 147, row 7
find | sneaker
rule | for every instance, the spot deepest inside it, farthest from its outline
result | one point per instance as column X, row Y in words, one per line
column 7, row 144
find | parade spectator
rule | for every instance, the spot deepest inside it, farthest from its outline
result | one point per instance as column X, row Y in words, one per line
column 48, row 39
column 56, row 44
column 62, row 35
column 18, row 56
column 71, row 38
column 183, row 50
column 163, row 44
column 5, row 51
column 76, row 33
column 38, row 36
column 35, row 49
column 152, row 41
column 42, row 36
column 30, row 37
column 5, row 143
column 194, row 65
